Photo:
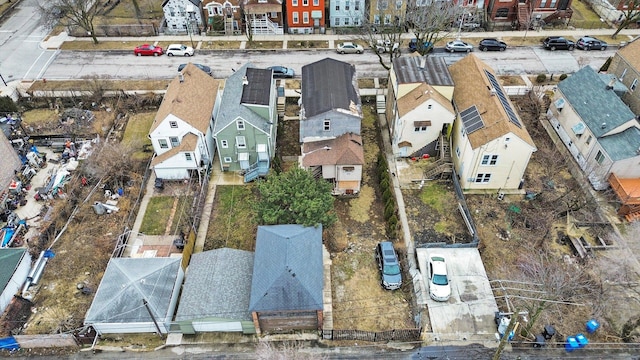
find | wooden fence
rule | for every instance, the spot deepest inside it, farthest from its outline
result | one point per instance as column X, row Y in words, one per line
column 373, row 336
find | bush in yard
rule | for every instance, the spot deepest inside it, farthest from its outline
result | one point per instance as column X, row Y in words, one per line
column 7, row 105
column 295, row 197
column 541, row 78
column 389, row 209
column 563, row 76
column 386, row 194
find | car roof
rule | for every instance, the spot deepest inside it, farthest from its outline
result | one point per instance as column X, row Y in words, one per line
column 277, row 67
column 179, row 45
column 347, row 43
column 439, row 264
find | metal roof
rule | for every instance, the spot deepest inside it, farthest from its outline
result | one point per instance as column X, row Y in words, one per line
column 416, row 69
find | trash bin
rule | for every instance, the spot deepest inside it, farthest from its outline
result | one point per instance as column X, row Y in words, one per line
column 540, row 341
column 549, row 332
column 582, row 340
column 592, row 326
column 571, row 344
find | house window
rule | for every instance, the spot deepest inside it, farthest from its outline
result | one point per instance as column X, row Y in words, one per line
column 429, row 106
column 316, row 2
column 327, row 125
column 599, row 157
column 163, row 144
column 348, row 168
column 457, row 151
column 294, row 2
column 295, row 17
column 357, row 5
column 398, row 5
column 376, row 19
column 483, row 178
column 337, row 5
column 240, row 124
column 634, row 84
column 187, row 156
column 227, row 159
column 174, row 141
column 241, row 143
column 356, row 21
column 346, row 5
column 489, row 160
column 383, row 4
column 337, row 22
column 346, row 21
column 589, row 139
column 173, row 124
column 387, row 19
column 502, row 12
column 224, row 144
column 420, row 128
column 624, row 72
column 463, row 132
column 305, row 17
column 305, row 2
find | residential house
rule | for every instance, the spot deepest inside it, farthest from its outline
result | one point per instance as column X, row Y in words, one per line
column 288, row 280
column 492, row 145
column 387, row 12
column 226, row 309
column 600, row 130
column 305, row 16
column 524, row 14
column 331, row 103
column 338, row 160
column 16, row 265
column 418, row 107
column 263, row 17
column 223, row 16
column 247, row 122
column 10, row 163
column 183, row 16
column 181, row 133
column 625, row 65
column 136, row 295
column 623, row 5
column 347, row 13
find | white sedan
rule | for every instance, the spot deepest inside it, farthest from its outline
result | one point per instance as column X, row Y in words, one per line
column 179, row 50
column 439, row 284
column 349, row 48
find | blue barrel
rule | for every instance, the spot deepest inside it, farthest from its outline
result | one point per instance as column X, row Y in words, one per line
column 571, row 344
column 582, row 340
column 592, row 326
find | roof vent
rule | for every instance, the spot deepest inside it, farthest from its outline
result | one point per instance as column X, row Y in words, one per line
column 493, row 92
column 604, row 125
column 245, row 81
column 181, row 77
column 611, row 83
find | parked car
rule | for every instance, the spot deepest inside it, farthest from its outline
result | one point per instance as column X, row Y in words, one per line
column 388, row 265
column 492, row 44
column 413, row 45
column 458, row 46
column 385, row 46
column 439, row 284
column 148, row 50
column 204, row 68
column 282, row 72
column 557, row 42
column 179, row 50
column 349, row 48
column 591, row 43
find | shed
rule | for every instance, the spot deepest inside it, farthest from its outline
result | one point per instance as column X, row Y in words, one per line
column 133, row 293
column 15, row 264
column 216, row 291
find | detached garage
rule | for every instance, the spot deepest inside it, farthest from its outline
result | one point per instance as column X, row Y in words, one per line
column 133, row 293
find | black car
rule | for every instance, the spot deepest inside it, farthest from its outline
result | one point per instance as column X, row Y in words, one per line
column 591, row 43
column 557, row 42
column 204, row 68
column 492, row 44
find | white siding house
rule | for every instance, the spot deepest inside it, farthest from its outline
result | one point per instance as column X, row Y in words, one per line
column 183, row 16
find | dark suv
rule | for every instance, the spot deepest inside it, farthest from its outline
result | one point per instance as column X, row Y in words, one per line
column 492, row 44
column 556, row 42
column 388, row 265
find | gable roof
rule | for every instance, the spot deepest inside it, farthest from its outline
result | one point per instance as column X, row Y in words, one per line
column 473, row 88
column 419, row 96
column 623, row 145
column 260, row 7
column 232, row 107
column 187, row 143
column 593, row 102
column 126, row 282
column 9, row 261
column 330, row 84
column 346, row 149
column 410, row 69
column 229, row 272
column 194, row 2
column 287, row 269
column 631, row 53
column 191, row 100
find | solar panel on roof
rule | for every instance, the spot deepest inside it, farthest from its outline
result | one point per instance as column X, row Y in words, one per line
column 471, row 119
column 503, row 99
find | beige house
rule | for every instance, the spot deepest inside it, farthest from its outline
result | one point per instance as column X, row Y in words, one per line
column 491, row 145
column 625, row 65
column 338, row 160
column 598, row 129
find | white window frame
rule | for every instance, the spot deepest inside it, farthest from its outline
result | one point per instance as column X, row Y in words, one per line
column 634, row 84
column 163, row 143
column 346, row 21
column 305, row 2
column 599, row 158
column 174, row 141
column 173, row 124
column 382, row 4
column 326, row 125
column 228, row 159
column 346, row 5
column 295, row 17
column 294, row 2
column 316, row 2
column 188, row 156
column 624, row 72
column 489, row 160
column 482, row 178
column 240, row 125
column 336, row 21
column 224, row 144
column 241, row 142
column 305, row 17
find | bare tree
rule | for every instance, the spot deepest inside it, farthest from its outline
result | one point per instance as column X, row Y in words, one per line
column 629, row 16
column 431, row 21
column 383, row 32
column 79, row 13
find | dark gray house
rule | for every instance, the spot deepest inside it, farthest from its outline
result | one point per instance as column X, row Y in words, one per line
column 288, row 280
column 331, row 103
column 215, row 294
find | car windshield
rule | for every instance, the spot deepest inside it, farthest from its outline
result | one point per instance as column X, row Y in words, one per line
column 440, row 279
column 392, row 270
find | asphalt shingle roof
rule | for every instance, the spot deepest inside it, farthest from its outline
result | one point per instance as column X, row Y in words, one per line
column 420, row 95
column 346, row 149
column 623, row 145
column 287, row 269
column 329, row 84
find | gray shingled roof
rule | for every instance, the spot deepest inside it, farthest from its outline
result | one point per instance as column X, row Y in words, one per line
column 622, row 145
column 435, row 71
column 328, row 84
column 231, row 107
column 593, row 102
column 218, row 284
column 288, row 270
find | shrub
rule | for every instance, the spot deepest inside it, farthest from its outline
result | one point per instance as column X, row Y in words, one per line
column 563, row 76
column 389, row 210
column 386, row 195
column 541, row 78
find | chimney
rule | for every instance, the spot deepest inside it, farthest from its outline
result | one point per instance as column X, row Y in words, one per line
column 245, row 81
column 611, row 83
column 181, row 76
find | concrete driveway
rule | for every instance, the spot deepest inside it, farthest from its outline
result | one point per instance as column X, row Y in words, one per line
column 469, row 313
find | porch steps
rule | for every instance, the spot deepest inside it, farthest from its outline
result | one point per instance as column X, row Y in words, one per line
column 631, row 217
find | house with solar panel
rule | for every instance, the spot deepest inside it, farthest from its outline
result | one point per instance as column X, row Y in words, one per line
column 246, row 122
column 491, row 147
column 597, row 127
column 418, row 109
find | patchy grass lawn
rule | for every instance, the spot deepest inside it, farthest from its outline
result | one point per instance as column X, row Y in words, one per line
column 308, row 44
column 38, row 117
column 219, row 45
column 157, row 215
column 511, row 80
column 126, row 9
column 263, row 45
column 87, row 44
column 232, row 222
column 84, row 85
column 136, row 132
column 530, row 40
column 366, row 83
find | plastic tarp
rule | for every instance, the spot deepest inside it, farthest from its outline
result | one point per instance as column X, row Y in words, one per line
column 9, row 343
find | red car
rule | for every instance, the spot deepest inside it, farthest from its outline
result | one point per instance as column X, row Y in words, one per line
column 148, row 50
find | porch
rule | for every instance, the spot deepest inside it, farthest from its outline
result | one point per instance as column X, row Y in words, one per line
column 628, row 192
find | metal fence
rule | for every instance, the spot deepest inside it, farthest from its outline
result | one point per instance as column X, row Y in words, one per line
column 373, row 336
